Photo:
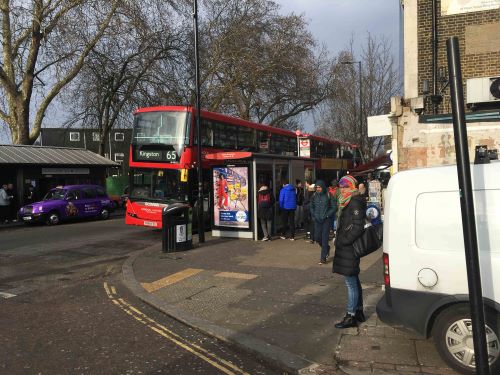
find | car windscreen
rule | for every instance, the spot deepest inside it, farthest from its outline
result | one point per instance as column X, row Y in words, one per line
column 55, row 194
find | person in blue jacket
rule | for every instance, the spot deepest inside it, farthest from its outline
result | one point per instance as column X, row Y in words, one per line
column 288, row 205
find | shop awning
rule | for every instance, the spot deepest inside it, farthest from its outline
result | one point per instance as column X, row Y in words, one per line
column 42, row 155
column 379, row 163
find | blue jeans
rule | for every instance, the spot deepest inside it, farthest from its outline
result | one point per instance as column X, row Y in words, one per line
column 354, row 294
column 333, row 223
column 321, row 231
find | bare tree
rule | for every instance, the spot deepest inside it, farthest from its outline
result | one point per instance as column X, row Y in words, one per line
column 122, row 66
column 44, row 47
column 380, row 81
column 258, row 64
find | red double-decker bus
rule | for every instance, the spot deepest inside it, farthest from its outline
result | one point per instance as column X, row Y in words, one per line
column 163, row 155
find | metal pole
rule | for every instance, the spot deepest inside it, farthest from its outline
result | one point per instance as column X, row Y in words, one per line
column 434, row 51
column 467, row 207
column 201, row 226
column 360, row 104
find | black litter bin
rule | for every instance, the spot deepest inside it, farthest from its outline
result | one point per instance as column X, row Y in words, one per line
column 176, row 228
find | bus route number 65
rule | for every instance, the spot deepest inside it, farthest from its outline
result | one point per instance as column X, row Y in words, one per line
column 171, row 155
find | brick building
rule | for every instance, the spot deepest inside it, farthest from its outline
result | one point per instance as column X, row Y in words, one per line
column 422, row 126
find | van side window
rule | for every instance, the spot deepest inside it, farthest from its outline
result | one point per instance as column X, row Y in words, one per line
column 89, row 193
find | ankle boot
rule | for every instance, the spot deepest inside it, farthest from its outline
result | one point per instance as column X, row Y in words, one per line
column 347, row 322
column 360, row 316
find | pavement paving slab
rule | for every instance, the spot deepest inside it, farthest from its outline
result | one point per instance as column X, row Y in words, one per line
column 379, row 349
column 273, row 299
column 427, row 355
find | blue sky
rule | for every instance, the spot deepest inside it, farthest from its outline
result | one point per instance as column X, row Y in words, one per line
column 333, row 22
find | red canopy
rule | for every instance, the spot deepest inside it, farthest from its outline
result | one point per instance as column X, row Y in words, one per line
column 381, row 162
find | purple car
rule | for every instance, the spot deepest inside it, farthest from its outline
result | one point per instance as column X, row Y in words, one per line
column 68, row 202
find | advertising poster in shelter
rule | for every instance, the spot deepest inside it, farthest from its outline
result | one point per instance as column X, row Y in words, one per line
column 231, row 197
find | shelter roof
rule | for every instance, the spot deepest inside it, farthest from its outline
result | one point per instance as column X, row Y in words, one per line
column 42, row 155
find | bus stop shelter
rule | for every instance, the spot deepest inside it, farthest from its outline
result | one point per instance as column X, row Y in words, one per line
column 236, row 178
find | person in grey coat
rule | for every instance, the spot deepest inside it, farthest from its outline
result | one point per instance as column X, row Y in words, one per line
column 4, row 204
column 322, row 208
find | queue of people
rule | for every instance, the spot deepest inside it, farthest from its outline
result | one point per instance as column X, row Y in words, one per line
column 339, row 208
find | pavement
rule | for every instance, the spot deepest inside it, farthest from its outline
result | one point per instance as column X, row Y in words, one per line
column 273, row 300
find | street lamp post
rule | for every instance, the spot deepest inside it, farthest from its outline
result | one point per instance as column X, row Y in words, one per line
column 360, row 95
column 201, row 226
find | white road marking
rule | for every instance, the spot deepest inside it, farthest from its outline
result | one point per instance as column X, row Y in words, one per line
column 7, row 295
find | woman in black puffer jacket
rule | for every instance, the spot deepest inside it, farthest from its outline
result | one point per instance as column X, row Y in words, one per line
column 350, row 226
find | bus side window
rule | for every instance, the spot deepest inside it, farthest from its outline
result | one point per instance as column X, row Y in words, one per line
column 225, row 136
column 292, row 146
column 313, row 148
column 246, row 138
column 329, row 150
column 219, row 135
column 321, row 149
column 231, row 136
column 207, row 133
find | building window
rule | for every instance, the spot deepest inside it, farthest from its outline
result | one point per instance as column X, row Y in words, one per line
column 119, row 137
column 96, row 137
column 74, row 136
column 119, row 156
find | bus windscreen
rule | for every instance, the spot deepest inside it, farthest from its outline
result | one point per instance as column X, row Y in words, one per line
column 156, row 185
column 169, row 128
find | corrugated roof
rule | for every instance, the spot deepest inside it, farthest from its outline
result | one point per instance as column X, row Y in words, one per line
column 17, row 154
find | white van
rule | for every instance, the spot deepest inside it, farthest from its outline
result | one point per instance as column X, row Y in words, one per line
column 424, row 259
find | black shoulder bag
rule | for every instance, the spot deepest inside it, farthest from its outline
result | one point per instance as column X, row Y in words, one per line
column 369, row 241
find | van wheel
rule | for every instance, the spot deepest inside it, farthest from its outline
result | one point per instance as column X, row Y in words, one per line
column 452, row 333
column 53, row 218
column 104, row 214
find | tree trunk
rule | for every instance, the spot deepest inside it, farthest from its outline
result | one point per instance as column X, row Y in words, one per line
column 102, row 145
column 20, row 120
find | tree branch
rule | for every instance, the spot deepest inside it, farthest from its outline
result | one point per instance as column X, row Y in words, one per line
column 37, row 124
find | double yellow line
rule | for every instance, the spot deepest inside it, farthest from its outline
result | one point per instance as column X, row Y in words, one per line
column 209, row 357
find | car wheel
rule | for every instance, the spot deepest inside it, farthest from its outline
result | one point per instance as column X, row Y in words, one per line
column 53, row 218
column 452, row 333
column 104, row 214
